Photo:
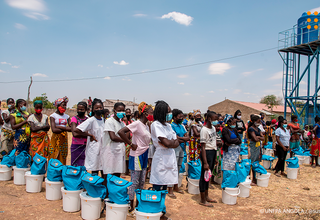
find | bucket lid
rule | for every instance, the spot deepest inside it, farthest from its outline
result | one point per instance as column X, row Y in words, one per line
column 54, row 183
column 108, row 203
column 70, row 191
column 26, row 169
column 147, row 214
column 85, row 196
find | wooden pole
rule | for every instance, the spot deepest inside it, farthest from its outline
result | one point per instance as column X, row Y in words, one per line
column 28, row 99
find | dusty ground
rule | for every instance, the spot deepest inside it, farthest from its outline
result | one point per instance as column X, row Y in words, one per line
column 278, row 200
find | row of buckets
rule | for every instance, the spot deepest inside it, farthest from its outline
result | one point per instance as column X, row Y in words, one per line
column 73, row 201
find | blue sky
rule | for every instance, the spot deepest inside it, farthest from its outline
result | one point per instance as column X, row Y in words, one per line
column 77, row 39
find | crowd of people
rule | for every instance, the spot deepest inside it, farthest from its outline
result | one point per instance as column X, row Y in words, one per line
column 150, row 143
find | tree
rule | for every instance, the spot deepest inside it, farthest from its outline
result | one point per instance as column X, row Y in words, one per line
column 270, row 101
column 44, row 99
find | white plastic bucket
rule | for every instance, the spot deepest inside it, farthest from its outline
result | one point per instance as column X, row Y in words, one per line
column 263, row 180
column 186, row 168
column 218, row 179
column 245, row 189
column 71, row 200
column 33, row 182
column 180, row 179
column 193, row 186
column 292, row 173
column 266, row 164
column 53, row 190
column 229, row 195
column 90, row 206
column 268, row 152
column 115, row 211
column 318, row 160
column 244, row 157
column 307, row 160
column 5, row 173
column 149, row 216
column 301, row 159
column 18, row 175
column 288, row 155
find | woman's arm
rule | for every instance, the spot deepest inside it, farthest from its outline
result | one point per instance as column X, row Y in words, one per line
column 114, row 137
column 254, row 137
column 123, row 133
column 6, row 117
column 195, row 132
column 204, row 157
column 174, row 143
column 15, row 126
column 280, row 143
column 54, row 128
column 77, row 133
column 226, row 137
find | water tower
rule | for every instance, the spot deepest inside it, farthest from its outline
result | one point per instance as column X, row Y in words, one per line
column 299, row 48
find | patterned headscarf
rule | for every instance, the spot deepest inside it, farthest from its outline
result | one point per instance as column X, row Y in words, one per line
column 60, row 100
column 196, row 112
column 37, row 102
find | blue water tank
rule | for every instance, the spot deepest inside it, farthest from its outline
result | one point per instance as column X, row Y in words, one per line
column 306, row 35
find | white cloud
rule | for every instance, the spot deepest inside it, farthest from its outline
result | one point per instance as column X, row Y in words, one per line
column 16, row 67
column 121, row 63
column 37, row 16
column 181, row 83
column 126, row 79
column 139, row 15
column 100, row 65
column 277, row 75
column 6, row 63
column 211, row 92
column 247, row 93
column 179, row 18
column 219, row 68
column 20, row 26
column 236, row 91
column 315, row 9
column 107, row 77
column 182, row 76
column 187, row 94
column 303, row 82
column 250, row 72
column 32, row 5
column 1, row 71
column 39, row 75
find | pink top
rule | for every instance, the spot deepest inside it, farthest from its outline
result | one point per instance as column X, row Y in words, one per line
column 141, row 137
column 78, row 141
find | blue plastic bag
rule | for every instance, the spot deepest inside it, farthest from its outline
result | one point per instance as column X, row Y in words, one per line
column 242, row 171
column 267, row 157
column 71, row 177
column 230, row 179
column 298, row 151
column 151, row 201
column 268, row 146
column 183, row 166
column 54, row 172
column 118, row 189
column 194, row 169
column 258, row 168
column 23, row 160
column 94, row 185
column 244, row 150
column 9, row 159
column 293, row 162
column 39, row 165
column 247, row 164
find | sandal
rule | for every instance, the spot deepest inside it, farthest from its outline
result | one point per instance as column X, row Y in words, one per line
column 173, row 196
column 253, row 184
column 179, row 191
column 212, row 201
column 277, row 174
column 206, row 204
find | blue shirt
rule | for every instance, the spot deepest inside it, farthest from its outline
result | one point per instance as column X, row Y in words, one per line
column 317, row 131
column 180, row 131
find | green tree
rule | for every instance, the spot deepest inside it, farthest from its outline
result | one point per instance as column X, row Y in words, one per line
column 271, row 101
column 44, row 99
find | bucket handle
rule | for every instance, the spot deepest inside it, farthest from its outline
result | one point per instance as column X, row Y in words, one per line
column 246, row 186
column 193, row 184
column 232, row 194
column 263, row 178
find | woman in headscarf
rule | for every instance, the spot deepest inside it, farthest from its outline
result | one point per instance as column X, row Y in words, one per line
column 19, row 123
column 194, row 146
column 7, row 133
column 39, row 127
column 60, row 125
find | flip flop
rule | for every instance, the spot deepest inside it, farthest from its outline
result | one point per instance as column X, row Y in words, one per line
column 206, row 204
column 180, row 191
column 277, row 174
column 253, row 184
column 173, row 196
column 212, row 200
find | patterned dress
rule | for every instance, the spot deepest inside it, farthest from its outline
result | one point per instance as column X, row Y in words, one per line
column 21, row 141
column 194, row 144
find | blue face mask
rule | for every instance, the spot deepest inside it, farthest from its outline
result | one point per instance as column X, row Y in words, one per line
column 285, row 126
column 169, row 117
column 23, row 108
column 232, row 126
column 9, row 106
column 214, row 123
column 121, row 115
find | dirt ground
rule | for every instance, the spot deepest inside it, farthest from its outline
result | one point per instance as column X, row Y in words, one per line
column 283, row 199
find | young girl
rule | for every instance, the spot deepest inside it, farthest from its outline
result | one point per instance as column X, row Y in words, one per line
column 19, row 123
column 138, row 158
column 7, row 133
column 315, row 145
column 78, row 145
column 194, row 146
column 295, row 133
column 113, row 149
column 93, row 129
column 208, row 140
column 39, row 125
column 60, row 125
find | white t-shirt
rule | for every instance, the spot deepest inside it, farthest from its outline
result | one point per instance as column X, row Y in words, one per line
column 95, row 127
column 209, row 137
column 283, row 136
column 112, row 153
column 164, row 169
column 140, row 136
column 197, row 125
column 60, row 120
column 6, row 125
column 43, row 122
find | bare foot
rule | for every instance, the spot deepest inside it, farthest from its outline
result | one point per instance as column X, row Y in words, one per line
column 171, row 195
column 206, row 204
column 179, row 191
column 211, row 200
